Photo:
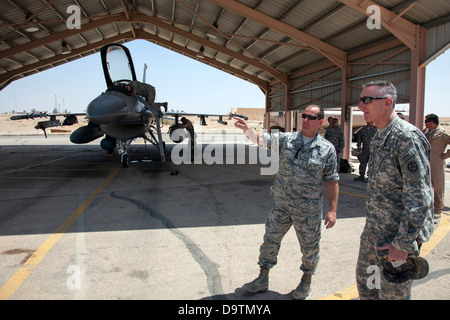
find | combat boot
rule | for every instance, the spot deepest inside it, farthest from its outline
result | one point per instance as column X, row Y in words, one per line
column 304, row 288
column 260, row 284
column 437, row 214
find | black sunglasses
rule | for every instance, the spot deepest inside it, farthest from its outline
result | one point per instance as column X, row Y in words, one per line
column 367, row 100
column 310, row 117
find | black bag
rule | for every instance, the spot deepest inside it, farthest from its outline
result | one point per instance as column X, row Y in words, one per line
column 345, row 166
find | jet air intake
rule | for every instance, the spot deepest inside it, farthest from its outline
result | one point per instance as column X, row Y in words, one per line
column 176, row 133
column 86, row 134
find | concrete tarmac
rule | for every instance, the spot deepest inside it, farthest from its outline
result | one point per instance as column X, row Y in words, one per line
column 74, row 224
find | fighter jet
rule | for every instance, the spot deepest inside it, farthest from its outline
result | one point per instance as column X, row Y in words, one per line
column 117, row 115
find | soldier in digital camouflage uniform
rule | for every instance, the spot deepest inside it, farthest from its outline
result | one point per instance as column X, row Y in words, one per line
column 399, row 201
column 364, row 136
column 187, row 124
column 307, row 162
column 145, row 90
column 335, row 135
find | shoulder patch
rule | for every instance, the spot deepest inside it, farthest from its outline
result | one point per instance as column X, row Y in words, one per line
column 411, row 164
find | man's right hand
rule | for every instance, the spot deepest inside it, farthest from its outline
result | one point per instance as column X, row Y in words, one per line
column 241, row 124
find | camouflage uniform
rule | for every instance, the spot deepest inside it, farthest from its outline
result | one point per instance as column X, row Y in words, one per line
column 336, row 137
column 298, row 196
column 145, row 90
column 189, row 128
column 364, row 136
column 399, row 203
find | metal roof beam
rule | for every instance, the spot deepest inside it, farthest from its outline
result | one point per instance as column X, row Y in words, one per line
column 129, row 35
column 27, row 19
column 43, row 63
column 139, row 17
column 332, row 53
column 219, row 65
column 403, row 29
column 60, row 35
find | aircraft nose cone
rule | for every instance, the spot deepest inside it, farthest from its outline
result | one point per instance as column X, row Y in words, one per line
column 106, row 108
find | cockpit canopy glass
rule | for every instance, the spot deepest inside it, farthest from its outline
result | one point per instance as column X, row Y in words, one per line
column 117, row 64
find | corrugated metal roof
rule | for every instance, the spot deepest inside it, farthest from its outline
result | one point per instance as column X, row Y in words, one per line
column 249, row 49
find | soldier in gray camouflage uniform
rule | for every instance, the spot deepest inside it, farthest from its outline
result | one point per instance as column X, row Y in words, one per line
column 145, row 90
column 307, row 162
column 335, row 135
column 148, row 92
column 364, row 136
column 399, row 201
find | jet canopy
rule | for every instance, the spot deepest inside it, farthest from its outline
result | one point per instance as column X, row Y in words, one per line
column 117, row 64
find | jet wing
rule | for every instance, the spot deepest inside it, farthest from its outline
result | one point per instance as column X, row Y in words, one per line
column 203, row 116
column 44, row 115
column 70, row 119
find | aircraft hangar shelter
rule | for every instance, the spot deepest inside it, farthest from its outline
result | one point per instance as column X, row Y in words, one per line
column 299, row 52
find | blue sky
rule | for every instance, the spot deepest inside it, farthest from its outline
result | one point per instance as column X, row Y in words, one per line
column 185, row 83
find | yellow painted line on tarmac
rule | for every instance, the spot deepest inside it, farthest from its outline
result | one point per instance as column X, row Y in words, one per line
column 439, row 233
column 140, row 144
column 352, row 292
column 353, row 194
column 22, row 274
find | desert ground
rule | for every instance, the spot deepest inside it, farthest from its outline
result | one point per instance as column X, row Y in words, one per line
column 27, row 127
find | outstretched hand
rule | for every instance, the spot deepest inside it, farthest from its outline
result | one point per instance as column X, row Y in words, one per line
column 241, row 124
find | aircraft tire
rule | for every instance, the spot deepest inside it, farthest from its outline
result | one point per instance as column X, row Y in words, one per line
column 125, row 160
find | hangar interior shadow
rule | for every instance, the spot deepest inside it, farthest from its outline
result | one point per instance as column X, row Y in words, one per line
column 40, row 187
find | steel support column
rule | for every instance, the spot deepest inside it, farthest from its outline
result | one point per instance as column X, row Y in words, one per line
column 287, row 108
column 345, row 101
column 414, row 37
column 267, row 112
column 417, row 79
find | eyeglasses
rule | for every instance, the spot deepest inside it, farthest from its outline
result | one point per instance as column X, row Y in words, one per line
column 367, row 100
column 310, row 117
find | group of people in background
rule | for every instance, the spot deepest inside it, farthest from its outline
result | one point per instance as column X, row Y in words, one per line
column 438, row 138
column 435, row 134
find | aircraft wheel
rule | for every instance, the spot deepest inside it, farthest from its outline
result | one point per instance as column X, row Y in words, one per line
column 125, row 160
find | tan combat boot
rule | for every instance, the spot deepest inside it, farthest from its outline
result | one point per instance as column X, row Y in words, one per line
column 304, row 288
column 260, row 284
